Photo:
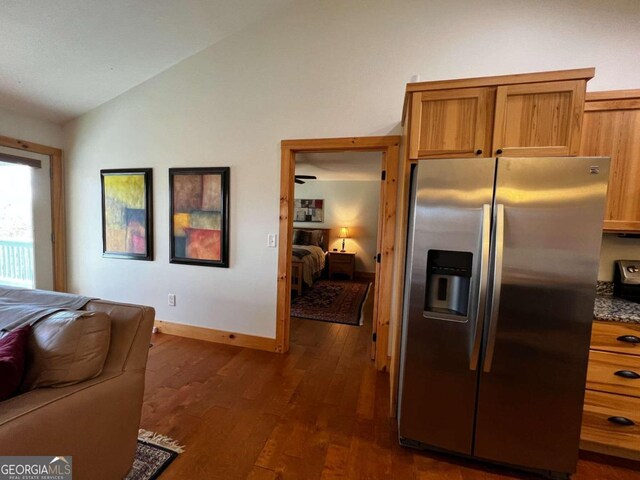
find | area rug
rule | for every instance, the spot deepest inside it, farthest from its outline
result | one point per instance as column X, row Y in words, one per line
column 332, row 301
column 155, row 452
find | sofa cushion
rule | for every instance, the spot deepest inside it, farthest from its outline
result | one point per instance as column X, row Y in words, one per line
column 64, row 349
column 12, row 358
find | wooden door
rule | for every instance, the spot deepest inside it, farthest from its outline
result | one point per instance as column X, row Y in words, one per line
column 612, row 129
column 539, row 119
column 451, row 123
column 376, row 291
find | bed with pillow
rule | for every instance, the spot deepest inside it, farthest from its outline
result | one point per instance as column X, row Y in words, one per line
column 309, row 252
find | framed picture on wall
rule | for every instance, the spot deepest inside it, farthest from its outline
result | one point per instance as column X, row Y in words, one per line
column 127, row 213
column 199, row 224
column 306, row 210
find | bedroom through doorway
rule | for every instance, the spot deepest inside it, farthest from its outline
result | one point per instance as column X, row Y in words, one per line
column 335, row 231
column 337, row 209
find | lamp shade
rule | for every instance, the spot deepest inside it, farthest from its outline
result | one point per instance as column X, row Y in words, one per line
column 344, row 232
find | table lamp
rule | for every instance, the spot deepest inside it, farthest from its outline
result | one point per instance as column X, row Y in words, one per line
column 344, row 233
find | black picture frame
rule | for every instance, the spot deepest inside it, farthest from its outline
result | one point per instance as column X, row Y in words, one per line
column 199, row 216
column 127, row 213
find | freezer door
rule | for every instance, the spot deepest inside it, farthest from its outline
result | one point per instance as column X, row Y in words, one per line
column 448, row 251
column 547, row 232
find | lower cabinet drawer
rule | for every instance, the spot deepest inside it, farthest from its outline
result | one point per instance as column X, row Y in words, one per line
column 611, row 424
column 614, row 373
column 616, row 337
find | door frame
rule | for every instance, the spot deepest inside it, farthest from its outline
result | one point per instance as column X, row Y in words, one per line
column 389, row 146
column 58, row 233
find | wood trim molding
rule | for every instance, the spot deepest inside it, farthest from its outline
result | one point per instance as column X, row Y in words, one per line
column 389, row 147
column 498, row 80
column 612, row 95
column 372, row 144
column 216, row 336
column 621, row 226
column 618, row 104
column 58, row 220
column 404, row 186
column 387, row 251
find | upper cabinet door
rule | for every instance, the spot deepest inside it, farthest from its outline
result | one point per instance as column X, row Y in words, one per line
column 612, row 129
column 539, row 119
column 451, row 123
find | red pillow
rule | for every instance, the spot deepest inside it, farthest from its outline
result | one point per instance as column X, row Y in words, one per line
column 13, row 346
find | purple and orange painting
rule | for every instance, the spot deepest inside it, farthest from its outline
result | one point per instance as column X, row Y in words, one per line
column 126, row 213
column 199, row 226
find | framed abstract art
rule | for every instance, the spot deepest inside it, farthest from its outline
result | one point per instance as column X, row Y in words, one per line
column 308, row 210
column 127, row 213
column 199, row 216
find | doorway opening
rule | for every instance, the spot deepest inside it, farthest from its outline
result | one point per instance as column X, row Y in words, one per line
column 40, row 259
column 345, row 263
column 334, row 247
column 17, row 266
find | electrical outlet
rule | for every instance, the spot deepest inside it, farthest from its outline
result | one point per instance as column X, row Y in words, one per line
column 171, row 299
column 272, row 240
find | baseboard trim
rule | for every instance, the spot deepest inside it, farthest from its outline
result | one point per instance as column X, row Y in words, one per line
column 216, row 336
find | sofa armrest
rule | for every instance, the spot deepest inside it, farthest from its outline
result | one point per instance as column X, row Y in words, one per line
column 15, row 407
column 95, row 422
column 131, row 327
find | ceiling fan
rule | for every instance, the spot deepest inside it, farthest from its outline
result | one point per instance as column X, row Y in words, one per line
column 298, row 178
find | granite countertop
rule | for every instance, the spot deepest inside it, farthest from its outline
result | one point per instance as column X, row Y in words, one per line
column 612, row 309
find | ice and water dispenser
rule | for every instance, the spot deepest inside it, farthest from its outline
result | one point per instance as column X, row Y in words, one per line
column 448, row 282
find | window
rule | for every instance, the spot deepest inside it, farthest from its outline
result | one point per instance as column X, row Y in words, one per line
column 16, row 226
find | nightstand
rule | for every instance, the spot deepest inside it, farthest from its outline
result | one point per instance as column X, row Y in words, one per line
column 342, row 263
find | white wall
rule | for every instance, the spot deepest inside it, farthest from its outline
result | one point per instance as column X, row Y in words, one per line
column 616, row 248
column 348, row 204
column 317, row 69
column 22, row 127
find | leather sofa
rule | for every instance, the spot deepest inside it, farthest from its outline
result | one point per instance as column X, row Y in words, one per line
column 95, row 421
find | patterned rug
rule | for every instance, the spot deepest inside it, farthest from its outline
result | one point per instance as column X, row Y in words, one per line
column 332, row 301
column 155, row 452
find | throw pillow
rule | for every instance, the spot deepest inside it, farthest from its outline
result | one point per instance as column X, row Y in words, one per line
column 317, row 236
column 303, row 238
column 13, row 346
column 64, row 350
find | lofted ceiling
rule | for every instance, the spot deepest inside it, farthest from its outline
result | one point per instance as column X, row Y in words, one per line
column 334, row 166
column 62, row 58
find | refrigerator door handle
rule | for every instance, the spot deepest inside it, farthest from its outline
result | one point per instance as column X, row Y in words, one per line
column 482, row 289
column 498, row 249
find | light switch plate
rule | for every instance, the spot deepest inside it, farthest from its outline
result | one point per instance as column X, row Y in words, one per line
column 272, row 240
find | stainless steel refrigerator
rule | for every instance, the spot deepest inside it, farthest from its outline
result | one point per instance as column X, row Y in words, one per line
column 501, row 271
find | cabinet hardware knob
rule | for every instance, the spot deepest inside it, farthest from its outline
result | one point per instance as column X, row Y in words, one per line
column 628, row 339
column 622, row 421
column 631, row 375
column 478, row 152
column 499, row 151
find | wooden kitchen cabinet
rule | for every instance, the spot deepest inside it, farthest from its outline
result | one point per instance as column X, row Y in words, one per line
column 452, row 123
column 611, row 418
column 539, row 119
column 538, row 114
column 612, row 129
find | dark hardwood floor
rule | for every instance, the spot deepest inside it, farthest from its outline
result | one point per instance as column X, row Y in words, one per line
column 319, row 412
